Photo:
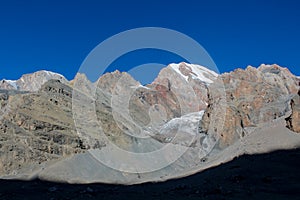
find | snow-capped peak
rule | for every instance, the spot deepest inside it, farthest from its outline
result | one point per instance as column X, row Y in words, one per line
column 194, row 71
column 32, row 82
column 13, row 83
column 51, row 74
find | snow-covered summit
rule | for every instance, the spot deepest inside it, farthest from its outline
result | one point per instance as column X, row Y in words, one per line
column 11, row 84
column 194, row 71
column 31, row 82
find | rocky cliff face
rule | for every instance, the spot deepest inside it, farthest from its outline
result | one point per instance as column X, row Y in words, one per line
column 36, row 127
column 293, row 121
column 253, row 96
column 189, row 83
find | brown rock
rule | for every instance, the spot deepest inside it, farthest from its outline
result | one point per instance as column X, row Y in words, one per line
column 253, row 96
column 293, row 121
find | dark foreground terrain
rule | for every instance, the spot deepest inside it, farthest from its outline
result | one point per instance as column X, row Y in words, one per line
column 273, row 176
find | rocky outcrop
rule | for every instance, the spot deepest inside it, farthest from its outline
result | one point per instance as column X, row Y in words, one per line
column 37, row 128
column 253, row 96
column 189, row 83
column 293, row 121
column 81, row 83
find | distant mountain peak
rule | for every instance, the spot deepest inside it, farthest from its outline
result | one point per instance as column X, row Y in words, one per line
column 31, row 82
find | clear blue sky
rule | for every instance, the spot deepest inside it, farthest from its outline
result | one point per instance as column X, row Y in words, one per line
column 57, row 35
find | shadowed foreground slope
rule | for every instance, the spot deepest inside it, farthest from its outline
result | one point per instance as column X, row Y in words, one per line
column 274, row 175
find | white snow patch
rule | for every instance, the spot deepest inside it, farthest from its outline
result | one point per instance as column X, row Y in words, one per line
column 12, row 83
column 198, row 72
column 139, row 86
column 51, row 74
column 142, row 86
column 188, row 122
column 176, row 68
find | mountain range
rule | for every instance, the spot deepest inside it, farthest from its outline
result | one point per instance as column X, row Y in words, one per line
column 188, row 119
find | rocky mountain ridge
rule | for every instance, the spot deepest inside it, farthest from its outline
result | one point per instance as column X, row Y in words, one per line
column 31, row 82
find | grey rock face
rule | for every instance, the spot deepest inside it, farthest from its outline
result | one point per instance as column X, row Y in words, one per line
column 36, row 128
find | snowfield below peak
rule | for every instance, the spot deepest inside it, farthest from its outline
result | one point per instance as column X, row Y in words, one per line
column 182, row 130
